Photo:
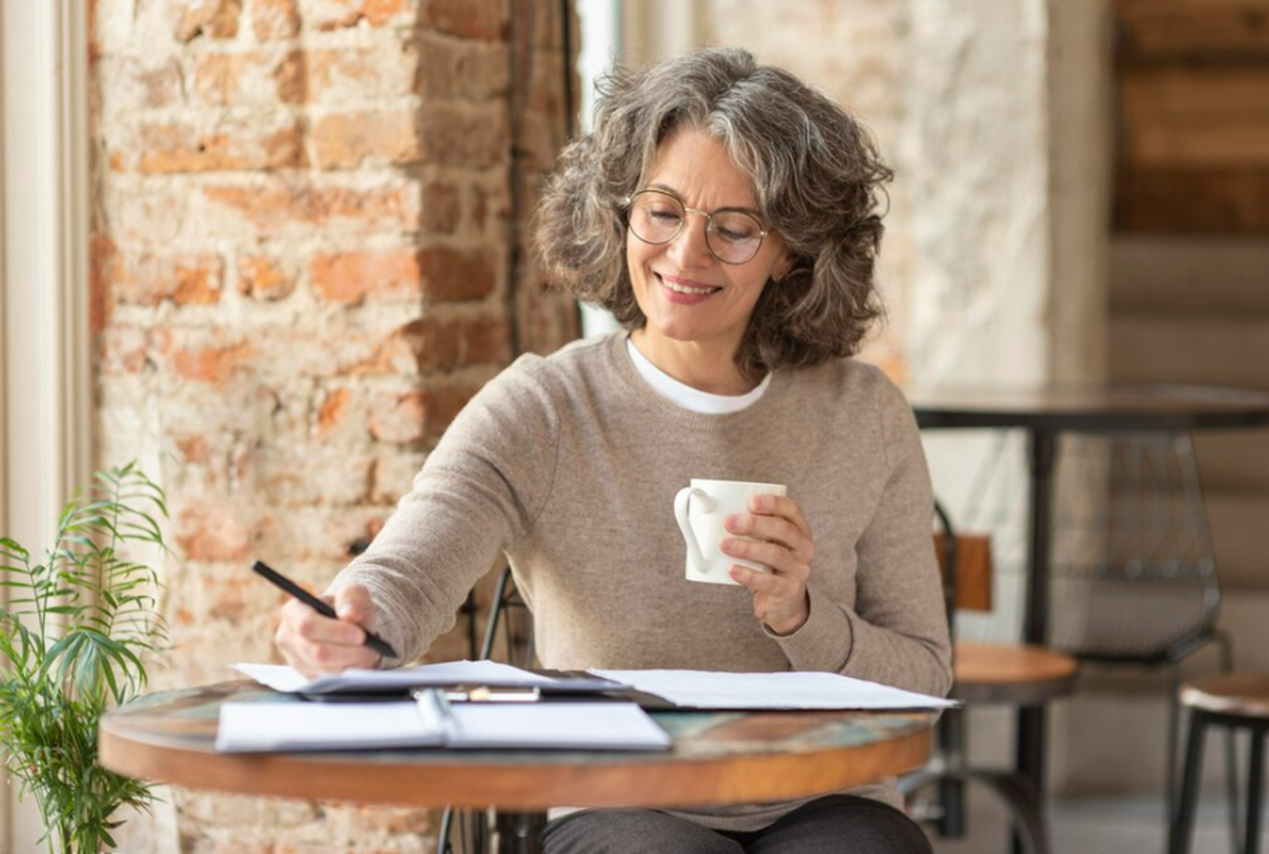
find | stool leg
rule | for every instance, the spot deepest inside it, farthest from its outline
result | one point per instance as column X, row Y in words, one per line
column 1183, row 821
column 1174, row 743
column 1255, row 779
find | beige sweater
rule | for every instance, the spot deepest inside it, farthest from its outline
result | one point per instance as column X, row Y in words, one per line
column 569, row 464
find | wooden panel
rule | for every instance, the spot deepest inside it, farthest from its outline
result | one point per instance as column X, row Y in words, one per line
column 973, row 570
column 1164, row 30
column 1196, row 117
column 1193, row 201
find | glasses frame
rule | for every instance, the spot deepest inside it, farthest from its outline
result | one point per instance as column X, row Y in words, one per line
column 763, row 231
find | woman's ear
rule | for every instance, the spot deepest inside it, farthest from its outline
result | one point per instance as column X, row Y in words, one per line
column 782, row 266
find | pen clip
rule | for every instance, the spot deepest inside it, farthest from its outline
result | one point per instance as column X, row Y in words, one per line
column 436, row 711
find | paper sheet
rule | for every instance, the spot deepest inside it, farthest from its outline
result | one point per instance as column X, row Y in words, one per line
column 264, row 727
column 698, row 689
column 281, row 677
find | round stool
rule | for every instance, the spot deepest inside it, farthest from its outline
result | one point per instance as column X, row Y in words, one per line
column 1238, row 701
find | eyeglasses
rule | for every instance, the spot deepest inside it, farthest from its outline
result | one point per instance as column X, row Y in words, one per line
column 656, row 217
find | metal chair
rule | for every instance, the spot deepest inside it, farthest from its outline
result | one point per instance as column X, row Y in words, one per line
column 1013, row 674
column 1134, row 578
column 476, row 829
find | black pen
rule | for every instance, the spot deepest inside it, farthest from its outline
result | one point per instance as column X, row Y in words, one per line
column 271, row 575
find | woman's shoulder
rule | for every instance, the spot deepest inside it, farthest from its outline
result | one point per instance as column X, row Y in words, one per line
column 859, row 381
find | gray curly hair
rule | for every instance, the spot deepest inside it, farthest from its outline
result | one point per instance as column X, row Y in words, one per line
column 816, row 174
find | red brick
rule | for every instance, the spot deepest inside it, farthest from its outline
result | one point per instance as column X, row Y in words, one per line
column 213, row 363
column 183, row 279
column 131, row 83
column 336, row 14
column 488, row 21
column 217, row 19
column 332, row 410
column 358, row 74
column 393, row 476
column 123, row 350
column 349, row 277
column 471, row 71
column 456, row 274
column 458, row 137
column 264, row 278
column 101, row 275
column 446, row 403
column 207, row 530
column 442, row 208
column 275, row 19
column 346, row 140
column 269, row 210
column 400, row 418
column 181, row 148
column 264, row 76
column 194, row 449
column 445, row 345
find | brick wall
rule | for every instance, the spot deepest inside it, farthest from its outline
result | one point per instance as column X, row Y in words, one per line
column 303, row 231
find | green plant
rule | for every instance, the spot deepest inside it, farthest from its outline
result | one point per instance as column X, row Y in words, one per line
column 74, row 637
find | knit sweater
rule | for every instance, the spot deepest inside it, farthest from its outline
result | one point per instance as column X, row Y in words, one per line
column 569, row 465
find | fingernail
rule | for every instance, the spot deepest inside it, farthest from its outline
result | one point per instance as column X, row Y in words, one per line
column 345, row 610
column 758, row 502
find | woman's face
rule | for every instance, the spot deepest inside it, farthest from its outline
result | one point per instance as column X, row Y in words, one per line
column 686, row 293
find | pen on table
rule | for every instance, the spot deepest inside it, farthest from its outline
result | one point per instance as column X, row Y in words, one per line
column 271, row 575
column 433, row 703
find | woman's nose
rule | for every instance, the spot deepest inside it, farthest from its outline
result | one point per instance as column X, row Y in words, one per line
column 691, row 248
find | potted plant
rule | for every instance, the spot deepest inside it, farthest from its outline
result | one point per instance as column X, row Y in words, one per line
column 74, row 637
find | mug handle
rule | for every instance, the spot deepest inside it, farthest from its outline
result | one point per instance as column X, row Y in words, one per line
column 681, row 501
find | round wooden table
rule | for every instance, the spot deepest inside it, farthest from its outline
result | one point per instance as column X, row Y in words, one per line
column 717, row 758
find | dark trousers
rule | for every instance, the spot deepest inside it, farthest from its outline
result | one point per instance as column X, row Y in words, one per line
column 837, row 824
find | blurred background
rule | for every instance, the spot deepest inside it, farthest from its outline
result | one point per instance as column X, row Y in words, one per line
column 271, row 247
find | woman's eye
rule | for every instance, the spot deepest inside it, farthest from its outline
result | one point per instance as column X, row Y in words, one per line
column 734, row 236
column 664, row 215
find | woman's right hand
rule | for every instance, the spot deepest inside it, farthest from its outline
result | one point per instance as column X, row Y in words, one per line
column 317, row 645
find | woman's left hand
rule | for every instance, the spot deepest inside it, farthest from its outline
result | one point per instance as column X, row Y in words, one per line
column 779, row 596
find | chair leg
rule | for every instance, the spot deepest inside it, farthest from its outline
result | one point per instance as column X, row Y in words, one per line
column 1022, row 801
column 1174, row 743
column 1232, row 789
column 442, row 835
column 1255, row 782
column 951, row 736
column 1183, row 822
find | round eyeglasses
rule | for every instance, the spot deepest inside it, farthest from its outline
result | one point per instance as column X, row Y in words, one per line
column 656, row 217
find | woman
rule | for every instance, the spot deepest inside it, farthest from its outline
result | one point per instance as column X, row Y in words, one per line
column 727, row 215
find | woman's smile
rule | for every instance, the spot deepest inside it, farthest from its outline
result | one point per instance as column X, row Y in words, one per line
column 685, row 291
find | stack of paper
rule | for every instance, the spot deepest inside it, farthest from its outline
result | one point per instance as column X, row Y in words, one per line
column 429, row 722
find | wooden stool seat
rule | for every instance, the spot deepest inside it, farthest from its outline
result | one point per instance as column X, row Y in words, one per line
column 1011, row 673
column 1242, row 694
column 1235, row 701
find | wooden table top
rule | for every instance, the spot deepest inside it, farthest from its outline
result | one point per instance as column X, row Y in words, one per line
column 1091, row 407
column 717, row 758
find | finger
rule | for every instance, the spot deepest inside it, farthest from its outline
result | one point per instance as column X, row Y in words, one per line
column 762, row 582
column 781, row 505
column 352, row 603
column 333, row 659
column 313, row 627
column 774, row 555
column 776, row 529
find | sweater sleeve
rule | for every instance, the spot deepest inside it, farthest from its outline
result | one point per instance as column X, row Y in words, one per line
column 897, row 632
column 478, row 492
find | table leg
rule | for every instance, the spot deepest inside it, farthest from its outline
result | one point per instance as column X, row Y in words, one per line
column 1030, row 736
column 520, row 832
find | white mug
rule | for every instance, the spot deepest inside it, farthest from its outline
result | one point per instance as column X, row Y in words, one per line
column 700, row 510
